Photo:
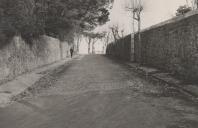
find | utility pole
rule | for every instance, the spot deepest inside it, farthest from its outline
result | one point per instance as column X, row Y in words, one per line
column 136, row 11
column 133, row 30
column 187, row 3
column 194, row 4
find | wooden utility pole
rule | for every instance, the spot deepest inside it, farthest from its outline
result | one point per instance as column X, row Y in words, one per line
column 136, row 9
column 187, row 3
column 133, row 32
column 195, row 4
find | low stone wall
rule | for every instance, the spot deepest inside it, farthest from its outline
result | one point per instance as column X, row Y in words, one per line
column 120, row 49
column 171, row 46
column 19, row 57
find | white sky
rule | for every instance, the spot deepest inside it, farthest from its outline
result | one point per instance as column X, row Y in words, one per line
column 155, row 11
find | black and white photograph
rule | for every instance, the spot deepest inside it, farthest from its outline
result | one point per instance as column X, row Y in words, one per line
column 98, row 63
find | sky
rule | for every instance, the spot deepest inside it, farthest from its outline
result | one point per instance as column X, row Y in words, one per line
column 155, row 11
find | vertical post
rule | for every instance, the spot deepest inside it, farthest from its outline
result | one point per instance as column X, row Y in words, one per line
column 136, row 11
column 93, row 49
column 139, row 30
column 132, row 32
column 61, row 49
column 195, row 4
column 89, row 45
column 78, row 43
column 139, row 39
column 187, row 3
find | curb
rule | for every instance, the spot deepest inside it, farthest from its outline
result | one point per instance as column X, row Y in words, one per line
column 19, row 85
column 159, row 76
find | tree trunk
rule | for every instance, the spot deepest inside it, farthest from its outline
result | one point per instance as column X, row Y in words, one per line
column 61, row 50
column 78, row 44
column 93, row 48
column 106, row 43
column 114, row 35
column 89, row 46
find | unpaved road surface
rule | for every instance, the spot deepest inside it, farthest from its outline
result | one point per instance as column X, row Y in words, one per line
column 96, row 92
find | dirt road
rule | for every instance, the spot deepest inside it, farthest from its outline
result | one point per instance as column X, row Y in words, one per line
column 96, row 92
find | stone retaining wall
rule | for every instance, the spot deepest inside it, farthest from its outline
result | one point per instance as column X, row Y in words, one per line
column 171, row 46
column 19, row 57
column 121, row 49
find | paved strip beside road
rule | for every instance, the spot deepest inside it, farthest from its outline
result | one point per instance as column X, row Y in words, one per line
column 22, row 82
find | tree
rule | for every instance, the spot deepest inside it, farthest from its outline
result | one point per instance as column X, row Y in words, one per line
column 64, row 15
column 182, row 10
column 18, row 17
column 56, row 18
column 92, row 39
column 106, row 41
column 116, row 32
column 79, row 37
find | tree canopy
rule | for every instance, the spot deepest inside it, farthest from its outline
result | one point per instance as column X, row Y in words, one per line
column 182, row 10
column 92, row 37
column 57, row 18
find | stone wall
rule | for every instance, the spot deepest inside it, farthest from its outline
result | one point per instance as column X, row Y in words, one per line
column 19, row 57
column 121, row 49
column 171, row 46
column 65, row 49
